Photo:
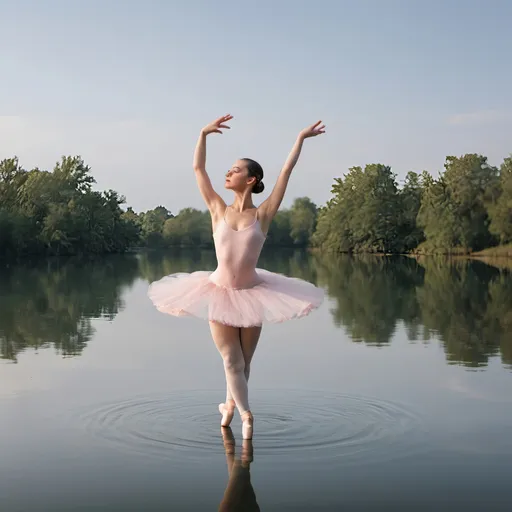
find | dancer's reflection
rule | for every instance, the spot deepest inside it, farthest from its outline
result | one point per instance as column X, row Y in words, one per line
column 239, row 494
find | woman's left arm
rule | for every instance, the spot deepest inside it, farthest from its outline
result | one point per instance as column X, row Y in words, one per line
column 269, row 207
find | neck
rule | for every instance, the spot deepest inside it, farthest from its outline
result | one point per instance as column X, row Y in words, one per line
column 242, row 201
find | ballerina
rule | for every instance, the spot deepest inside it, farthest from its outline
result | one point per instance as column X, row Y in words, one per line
column 237, row 298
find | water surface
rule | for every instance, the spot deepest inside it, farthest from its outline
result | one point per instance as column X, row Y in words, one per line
column 394, row 395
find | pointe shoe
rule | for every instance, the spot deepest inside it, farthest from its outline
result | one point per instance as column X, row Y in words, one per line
column 247, row 424
column 227, row 414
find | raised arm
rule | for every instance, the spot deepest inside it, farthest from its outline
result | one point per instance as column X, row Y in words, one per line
column 211, row 198
column 270, row 206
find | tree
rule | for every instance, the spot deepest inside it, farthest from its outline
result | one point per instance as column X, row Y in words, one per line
column 500, row 208
column 302, row 220
column 57, row 212
column 190, row 227
column 280, row 228
column 364, row 214
column 453, row 210
column 410, row 198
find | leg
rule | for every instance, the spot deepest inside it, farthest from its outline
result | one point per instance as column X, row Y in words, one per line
column 249, row 337
column 227, row 340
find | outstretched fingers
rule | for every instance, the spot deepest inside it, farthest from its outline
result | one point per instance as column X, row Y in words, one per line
column 220, row 123
column 223, row 119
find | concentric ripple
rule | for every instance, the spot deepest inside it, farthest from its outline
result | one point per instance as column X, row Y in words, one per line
column 312, row 424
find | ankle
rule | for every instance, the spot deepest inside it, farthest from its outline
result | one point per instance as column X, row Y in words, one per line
column 230, row 404
column 247, row 417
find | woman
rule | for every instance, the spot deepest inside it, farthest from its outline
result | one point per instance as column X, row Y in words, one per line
column 238, row 297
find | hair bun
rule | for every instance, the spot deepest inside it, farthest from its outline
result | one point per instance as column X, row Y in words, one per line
column 258, row 188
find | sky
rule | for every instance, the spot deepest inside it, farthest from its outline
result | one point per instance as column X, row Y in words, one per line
column 128, row 85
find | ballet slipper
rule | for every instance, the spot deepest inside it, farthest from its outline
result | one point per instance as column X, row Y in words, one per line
column 247, row 424
column 227, row 414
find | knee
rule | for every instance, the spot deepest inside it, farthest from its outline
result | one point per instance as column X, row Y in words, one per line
column 234, row 364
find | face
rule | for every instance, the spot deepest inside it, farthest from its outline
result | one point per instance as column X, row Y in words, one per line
column 237, row 177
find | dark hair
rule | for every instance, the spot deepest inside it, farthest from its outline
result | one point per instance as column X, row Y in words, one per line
column 255, row 170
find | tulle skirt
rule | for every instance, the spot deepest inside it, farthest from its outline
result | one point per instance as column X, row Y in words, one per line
column 276, row 298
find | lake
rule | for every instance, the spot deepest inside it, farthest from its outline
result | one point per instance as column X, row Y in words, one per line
column 394, row 395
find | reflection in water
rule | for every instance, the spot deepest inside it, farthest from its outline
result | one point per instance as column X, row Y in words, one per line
column 52, row 304
column 239, row 494
column 465, row 304
column 154, row 265
column 371, row 294
column 469, row 305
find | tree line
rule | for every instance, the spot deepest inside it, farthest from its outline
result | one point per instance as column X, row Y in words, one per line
column 468, row 207
column 58, row 212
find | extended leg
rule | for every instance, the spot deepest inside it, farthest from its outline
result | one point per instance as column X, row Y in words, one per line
column 249, row 337
column 227, row 340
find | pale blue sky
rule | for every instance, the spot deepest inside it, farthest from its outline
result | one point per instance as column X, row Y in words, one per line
column 128, row 85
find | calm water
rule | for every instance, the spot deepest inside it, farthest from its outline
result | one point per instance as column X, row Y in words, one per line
column 395, row 395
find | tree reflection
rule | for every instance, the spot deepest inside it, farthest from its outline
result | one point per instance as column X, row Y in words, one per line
column 157, row 264
column 371, row 294
column 455, row 304
column 467, row 304
column 52, row 304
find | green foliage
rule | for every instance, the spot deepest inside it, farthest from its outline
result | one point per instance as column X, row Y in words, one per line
column 294, row 227
column 190, row 227
column 468, row 208
column 411, row 195
column 58, row 212
column 365, row 214
column 500, row 209
column 453, row 212
column 302, row 220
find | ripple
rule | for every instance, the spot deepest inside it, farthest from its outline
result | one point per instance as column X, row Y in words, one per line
column 309, row 424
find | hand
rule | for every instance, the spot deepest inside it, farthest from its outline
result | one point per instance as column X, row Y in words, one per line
column 313, row 130
column 216, row 125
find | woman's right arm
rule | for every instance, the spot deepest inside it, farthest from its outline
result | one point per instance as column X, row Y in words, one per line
column 213, row 201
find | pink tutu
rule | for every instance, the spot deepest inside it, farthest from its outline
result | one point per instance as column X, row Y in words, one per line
column 275, row 298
